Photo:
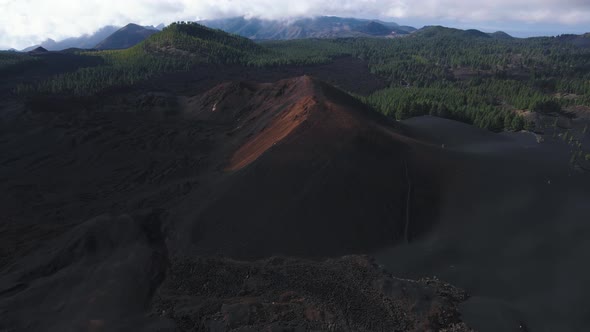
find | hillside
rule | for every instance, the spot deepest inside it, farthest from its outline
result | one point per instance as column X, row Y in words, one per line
column 582, row 41
column 197, row 41
column 179, row 47
column 128, row 36
column 319, row 27
column 465, row 75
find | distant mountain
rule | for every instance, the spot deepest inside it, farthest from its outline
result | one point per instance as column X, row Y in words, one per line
column 83, row 42
column 440, row 31
column 319, row 27
column 159, row 27
column 30, row 48
column 501, row 35
column 375, row 29
column 38, row 50
column 128, row 36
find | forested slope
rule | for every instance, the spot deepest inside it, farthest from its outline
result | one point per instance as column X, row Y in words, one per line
column 464, row 75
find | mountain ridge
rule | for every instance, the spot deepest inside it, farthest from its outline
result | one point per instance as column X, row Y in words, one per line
column 128, row 36
column 324, row 27
column 316, row 27
column 86, row 41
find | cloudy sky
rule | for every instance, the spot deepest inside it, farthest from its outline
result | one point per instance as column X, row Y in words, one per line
column 28, row 22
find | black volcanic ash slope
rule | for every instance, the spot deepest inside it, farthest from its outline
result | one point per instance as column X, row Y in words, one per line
column 245, row 170
column 307, row 170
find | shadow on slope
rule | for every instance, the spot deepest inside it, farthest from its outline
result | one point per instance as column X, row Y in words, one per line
column 513, row 231
column 101, row 273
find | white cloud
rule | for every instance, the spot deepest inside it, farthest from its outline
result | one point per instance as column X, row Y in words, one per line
column 26, row 22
